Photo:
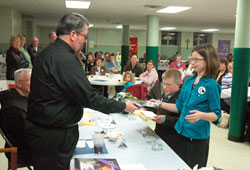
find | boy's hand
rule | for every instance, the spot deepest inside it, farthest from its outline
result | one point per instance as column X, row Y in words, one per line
column 152, row 100
column 159, row 119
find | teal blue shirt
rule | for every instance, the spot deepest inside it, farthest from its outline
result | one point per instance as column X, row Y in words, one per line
column 205, row 97
column 126, row 85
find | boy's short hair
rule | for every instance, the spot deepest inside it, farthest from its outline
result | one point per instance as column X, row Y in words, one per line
column 176, row 74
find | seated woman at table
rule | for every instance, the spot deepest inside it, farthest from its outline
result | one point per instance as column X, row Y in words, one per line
column 134, row 66
column 150, row 76
column 113, row 66
column 129, row 78
column 222, row 70
column 89, row 63
column 226, row 83
column 98, row 69
column 178, row 64
column 229, row 58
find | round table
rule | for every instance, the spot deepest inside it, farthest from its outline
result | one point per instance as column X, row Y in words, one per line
column 109, row 80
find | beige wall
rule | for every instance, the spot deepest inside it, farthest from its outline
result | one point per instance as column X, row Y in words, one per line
column 16, row 22
column 5, row 24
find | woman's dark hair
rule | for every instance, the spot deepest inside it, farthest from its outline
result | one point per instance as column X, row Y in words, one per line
column 71, row 22
column 223, row 60
column 151, row 61
column 212, row 61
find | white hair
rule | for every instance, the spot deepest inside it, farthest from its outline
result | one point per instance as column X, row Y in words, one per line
column 18, row 74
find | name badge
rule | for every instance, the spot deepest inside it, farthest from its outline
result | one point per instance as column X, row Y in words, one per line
column 202, row 90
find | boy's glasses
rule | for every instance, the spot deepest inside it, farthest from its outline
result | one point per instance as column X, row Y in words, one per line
column 166, row 84
column 196, row 60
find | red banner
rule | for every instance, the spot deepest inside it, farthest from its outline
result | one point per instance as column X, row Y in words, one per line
column 133, row 45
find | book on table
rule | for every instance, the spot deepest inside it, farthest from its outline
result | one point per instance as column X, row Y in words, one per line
column 96, row 164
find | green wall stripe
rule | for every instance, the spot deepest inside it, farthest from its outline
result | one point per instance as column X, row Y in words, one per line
column 239, row 92
column 152, row 54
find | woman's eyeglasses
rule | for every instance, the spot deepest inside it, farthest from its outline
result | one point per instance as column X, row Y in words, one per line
column 196, row 60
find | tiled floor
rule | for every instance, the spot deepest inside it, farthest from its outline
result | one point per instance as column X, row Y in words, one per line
column 223, row 153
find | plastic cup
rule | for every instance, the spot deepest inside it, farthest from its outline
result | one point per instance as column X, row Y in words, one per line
column 98, row 139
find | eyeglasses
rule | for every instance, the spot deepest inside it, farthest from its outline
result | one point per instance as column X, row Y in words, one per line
column 166, row 84
column 85, row 36
column 196, row 60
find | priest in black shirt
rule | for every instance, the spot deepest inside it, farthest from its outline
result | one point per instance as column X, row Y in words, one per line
column 59, row 92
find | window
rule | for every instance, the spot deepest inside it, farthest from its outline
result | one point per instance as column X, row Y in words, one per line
column 200, row 38
column 168, row 38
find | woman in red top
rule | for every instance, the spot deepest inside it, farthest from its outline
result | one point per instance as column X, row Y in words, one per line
column 178, row 64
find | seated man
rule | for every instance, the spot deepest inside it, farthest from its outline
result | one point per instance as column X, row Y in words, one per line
column 113, row 66
column 14, row 105
column 171, row 82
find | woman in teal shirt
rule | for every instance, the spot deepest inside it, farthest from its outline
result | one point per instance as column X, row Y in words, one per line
column 198, row 105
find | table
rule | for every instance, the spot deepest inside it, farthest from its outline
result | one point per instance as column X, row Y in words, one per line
column 226, row 93
column 138, row 151
column 109, row 80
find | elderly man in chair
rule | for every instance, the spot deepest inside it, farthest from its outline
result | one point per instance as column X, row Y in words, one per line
column 14, row 105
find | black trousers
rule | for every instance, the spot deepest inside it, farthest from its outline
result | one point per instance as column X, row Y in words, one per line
column 194, row 151
column 51, row 148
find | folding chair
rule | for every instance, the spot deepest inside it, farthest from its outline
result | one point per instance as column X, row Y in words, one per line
column 17, row 164
column 155, row 92
column 13, row 152
column 139, row 91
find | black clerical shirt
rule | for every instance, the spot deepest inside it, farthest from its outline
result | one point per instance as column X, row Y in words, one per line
column 60, row 89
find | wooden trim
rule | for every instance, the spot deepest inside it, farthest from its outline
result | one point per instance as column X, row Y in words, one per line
column 13, row 152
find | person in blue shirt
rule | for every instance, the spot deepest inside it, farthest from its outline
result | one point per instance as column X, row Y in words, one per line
column 113, row 66
column 129, row 78
column 198, row 105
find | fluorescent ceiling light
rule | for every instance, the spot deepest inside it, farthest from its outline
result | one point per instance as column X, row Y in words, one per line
column 77, row 4
column 119, row 26
column 91, row 25
column 168, row 28
column 173, row 9
column 210, row 30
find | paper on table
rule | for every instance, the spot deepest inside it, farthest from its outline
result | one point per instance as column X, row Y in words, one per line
column 148, row 114
column 133, row 167
column 90, row 144
column 80, row 144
